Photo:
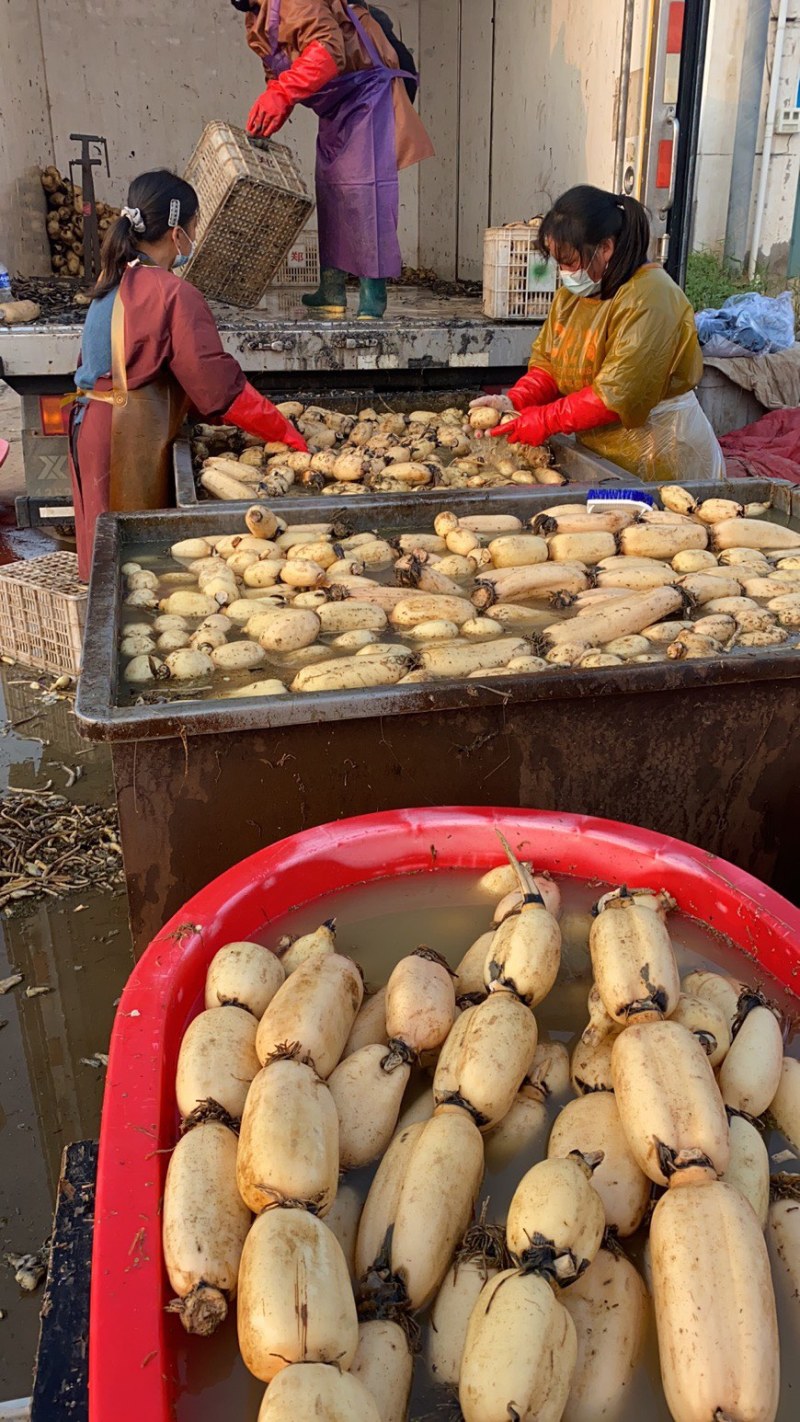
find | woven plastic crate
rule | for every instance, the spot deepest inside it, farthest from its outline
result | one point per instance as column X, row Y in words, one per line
column 42, row 613
column 300, row 266
column 253, row 203
column 518, row 282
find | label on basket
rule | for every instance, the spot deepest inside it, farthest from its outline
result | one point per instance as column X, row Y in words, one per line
column 541, row 273
column 297, row 257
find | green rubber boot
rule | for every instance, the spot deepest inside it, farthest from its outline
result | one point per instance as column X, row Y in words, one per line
column 372, row 299
column 330, row 298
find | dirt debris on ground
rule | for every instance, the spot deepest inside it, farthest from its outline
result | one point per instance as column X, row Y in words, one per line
column 29, row 1269
column 61, row 300
column 53, row 847
column 428, row 279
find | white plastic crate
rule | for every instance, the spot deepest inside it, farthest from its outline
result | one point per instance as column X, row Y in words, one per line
column 518, row 282
column 300, row 266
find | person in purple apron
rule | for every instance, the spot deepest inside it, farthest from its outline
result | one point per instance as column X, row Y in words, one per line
column 337, row 60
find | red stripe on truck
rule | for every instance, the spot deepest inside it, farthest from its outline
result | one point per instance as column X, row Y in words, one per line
column 675, row 27
column 664, row 165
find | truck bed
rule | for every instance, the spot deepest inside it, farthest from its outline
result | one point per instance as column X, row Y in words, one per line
column 427, row 341
column 421, row 331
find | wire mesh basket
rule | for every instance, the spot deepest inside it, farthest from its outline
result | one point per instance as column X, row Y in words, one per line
column 253, row 203
column 42, row 613
column 518, row 282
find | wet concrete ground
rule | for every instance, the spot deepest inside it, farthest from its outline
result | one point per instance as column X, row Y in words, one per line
column 80, row 948
column 22, row 542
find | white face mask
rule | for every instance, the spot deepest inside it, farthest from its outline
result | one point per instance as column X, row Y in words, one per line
column 580, row 283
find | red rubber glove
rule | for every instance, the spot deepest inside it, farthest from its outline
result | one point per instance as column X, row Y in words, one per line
column 312, row 69
column 582, row 411
column 269, row 112
column 536, row 388
column 257, row 415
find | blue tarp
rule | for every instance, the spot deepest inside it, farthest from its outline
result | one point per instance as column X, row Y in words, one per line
column 748, row 324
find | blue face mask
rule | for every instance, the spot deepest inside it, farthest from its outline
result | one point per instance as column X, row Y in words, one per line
column 181, row 260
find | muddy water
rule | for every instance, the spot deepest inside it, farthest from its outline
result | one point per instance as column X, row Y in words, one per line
column 378, row 924
column 219, row 684
column 80, row 949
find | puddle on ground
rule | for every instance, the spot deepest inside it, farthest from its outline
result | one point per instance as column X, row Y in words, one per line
column 25, row 542
column 80, row 948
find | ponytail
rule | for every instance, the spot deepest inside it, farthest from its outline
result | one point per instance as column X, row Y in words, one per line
column 630, row 248
column 583, row 218
column 119, row 248
column 157, row 201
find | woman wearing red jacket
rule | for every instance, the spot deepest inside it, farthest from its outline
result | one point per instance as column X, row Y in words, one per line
column 150, row 349
column 336, row 59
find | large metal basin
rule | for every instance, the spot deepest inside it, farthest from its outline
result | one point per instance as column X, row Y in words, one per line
column 708, row 751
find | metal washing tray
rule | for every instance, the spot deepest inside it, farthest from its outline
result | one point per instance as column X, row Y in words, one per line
column 101, row 717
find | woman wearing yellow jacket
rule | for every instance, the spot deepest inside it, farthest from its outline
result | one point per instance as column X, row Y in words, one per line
column 618, row 360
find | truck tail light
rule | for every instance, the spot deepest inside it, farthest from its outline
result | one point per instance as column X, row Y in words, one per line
column 54, row 414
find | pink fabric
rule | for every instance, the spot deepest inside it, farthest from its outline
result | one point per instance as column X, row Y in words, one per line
column 767, row 449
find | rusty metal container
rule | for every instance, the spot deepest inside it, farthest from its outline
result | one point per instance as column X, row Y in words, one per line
column 708, row 751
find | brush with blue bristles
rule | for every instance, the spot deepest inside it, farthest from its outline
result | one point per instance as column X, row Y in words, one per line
column 638, row 499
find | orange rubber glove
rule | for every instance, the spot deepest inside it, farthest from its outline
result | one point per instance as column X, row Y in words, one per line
column 310, row 72
column 257, row 415
column 584, row 410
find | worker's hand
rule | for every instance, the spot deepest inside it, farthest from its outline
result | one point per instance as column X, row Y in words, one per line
column 294, row 439
column 501, row 403
column 253, row 412
column 269, row 112
column 311, row 71
column 531, row 427
column 583, row 410
column 536, row 387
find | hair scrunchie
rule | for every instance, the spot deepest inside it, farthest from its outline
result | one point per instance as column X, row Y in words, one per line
column 134, row 217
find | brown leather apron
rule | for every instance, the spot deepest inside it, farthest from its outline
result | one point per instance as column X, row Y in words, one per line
column 144, row 424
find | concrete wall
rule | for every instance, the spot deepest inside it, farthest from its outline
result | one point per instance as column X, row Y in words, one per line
column 718, row 119
column 521, row 99
column 784, row 169
column 25, row 139
column 554, row 113
column 718, row 122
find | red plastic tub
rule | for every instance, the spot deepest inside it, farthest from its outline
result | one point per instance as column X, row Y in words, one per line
column 132, row 1369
